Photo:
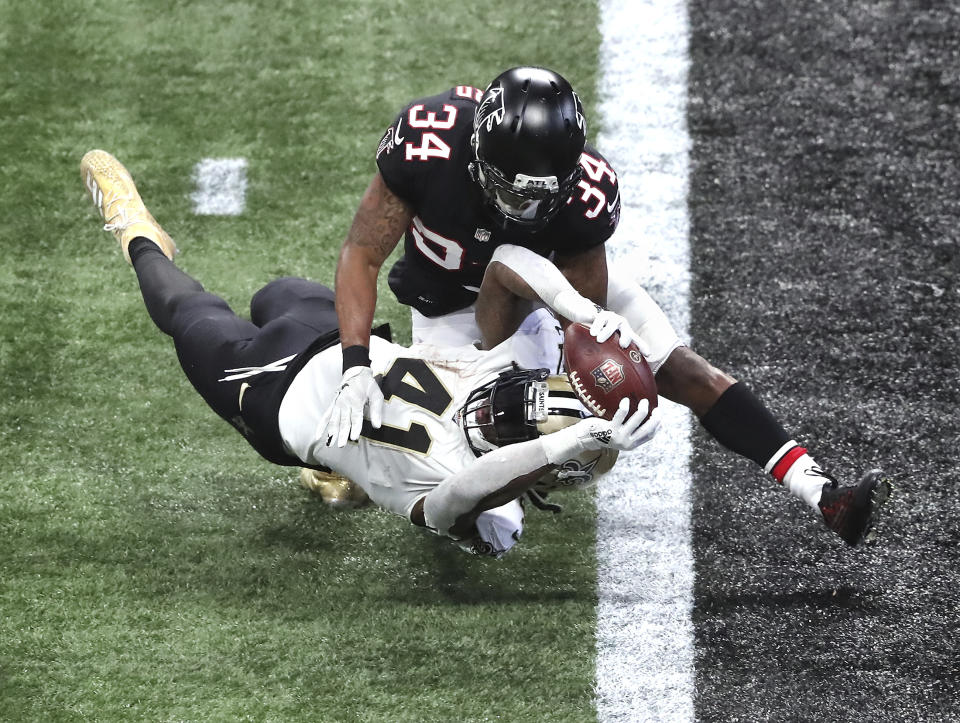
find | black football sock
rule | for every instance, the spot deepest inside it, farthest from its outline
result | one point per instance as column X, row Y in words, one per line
column 742, row 423
column 162, row 284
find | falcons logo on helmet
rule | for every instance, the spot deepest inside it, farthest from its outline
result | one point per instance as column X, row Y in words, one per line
column 491, row 110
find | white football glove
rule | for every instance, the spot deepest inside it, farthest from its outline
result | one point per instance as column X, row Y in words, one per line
column 344, row 419
column 607, row 322
column 603, row 323
column 621, row 432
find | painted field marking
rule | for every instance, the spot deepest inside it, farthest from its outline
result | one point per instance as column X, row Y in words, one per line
column 645, row 651
column 221, row 187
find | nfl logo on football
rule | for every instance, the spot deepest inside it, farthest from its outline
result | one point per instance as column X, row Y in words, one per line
column 608, row 375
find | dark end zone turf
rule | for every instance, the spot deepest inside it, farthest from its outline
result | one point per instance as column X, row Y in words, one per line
column 825, row 216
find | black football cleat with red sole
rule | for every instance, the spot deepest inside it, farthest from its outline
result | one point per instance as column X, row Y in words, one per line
column 850, row 511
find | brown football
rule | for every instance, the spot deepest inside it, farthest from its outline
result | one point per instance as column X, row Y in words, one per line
column 603, row 374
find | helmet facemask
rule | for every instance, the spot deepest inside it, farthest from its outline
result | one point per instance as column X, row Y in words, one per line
column 526, row 201
column 505, row 411
column 521, row 405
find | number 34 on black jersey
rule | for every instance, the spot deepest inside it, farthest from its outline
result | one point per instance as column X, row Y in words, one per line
column 423, row 159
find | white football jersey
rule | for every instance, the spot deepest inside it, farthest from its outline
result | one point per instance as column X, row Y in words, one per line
column 420, row 442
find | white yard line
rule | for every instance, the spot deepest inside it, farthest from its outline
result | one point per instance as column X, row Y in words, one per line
column 221, row 187
column 645, row 651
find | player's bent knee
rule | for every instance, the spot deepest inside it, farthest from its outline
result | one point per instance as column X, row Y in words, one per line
column 279, row 294
column 187, row 310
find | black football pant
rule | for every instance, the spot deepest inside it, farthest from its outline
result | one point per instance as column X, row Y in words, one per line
column 229, row 359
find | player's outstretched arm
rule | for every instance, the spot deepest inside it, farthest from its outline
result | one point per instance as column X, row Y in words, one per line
column 507, row 473
column 515, row 273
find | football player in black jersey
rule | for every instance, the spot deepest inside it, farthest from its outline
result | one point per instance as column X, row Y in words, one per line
column 459, row 174
column 466, row 177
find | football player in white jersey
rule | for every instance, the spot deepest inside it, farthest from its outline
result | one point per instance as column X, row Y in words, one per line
column 462, row 435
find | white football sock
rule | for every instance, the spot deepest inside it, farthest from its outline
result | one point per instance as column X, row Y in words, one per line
column 797, row 471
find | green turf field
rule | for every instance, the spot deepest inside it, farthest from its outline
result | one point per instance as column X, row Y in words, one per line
column 152, row 567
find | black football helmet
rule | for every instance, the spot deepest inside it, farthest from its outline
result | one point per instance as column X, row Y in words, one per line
column 528, row 134
column 523, row 404
column 516, row 407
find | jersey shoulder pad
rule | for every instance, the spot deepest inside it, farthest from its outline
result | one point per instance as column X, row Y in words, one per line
column 427, row 133
column 593, row 211
column 444, row 112
column 598, row 171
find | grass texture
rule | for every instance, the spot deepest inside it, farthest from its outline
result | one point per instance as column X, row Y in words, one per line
column 152, row 567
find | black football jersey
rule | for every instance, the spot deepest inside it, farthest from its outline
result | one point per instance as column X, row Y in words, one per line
column 423, row 159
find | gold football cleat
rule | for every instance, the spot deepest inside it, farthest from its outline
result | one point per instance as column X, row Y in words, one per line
column 335, row 490
column 115, row 195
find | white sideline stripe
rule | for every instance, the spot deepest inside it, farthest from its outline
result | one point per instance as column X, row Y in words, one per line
column 645, row 653
column 221, row 187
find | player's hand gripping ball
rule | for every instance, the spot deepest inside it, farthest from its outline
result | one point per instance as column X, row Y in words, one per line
column 603, row 374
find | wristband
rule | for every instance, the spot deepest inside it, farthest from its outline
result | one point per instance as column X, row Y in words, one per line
column 356, row 356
